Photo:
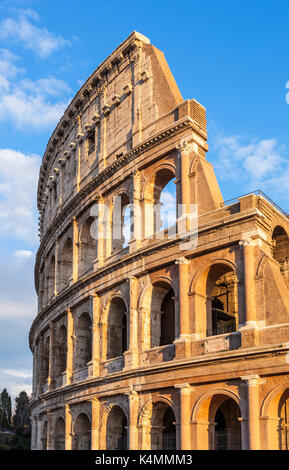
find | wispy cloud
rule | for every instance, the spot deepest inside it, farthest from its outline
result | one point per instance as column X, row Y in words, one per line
column 23, row 253
column 23, row 30
column 251, row 164
column 29, row 103
column 18, row 183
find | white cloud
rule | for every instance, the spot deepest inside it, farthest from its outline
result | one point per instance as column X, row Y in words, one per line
column 16, row 381
column 18, row 185
column 23, row 253
column 18, row 309
column 255, row 160
column 22, row 30
column 257, row 164
column 24, row 374
column 36, row 104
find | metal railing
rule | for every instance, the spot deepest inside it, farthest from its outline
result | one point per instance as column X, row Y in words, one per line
column 258, row 192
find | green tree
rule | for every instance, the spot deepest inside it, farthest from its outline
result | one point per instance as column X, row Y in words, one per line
column 21, row 418
column 5, row 410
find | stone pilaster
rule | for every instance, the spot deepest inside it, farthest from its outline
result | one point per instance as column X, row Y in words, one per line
column 95, row 423
column 68, row 375
column 182, row 342
column 51, row 356
column 133, row 417
column 49, row 430
column 251, row 383
column 135, row 242
column 185, row 415
column 249, row 331
column 68, row 428
column 94, row 364
column 75, row 250
column 131, row 356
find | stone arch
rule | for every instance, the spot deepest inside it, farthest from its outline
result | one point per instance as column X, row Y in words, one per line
column 82, row 432
column 151, row 194
column 275, row 414
column 65, row 263
column 59, row 434
column 157, row 420
column 116, row 428
column 117, row 327
column 120, row 226
column 83, row 341
column 157, row 303
column 216, row 415
column 215, row 291
column 87, row 246
column 60, row 351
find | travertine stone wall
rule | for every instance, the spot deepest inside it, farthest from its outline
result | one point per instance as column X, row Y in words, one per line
column 104, row 376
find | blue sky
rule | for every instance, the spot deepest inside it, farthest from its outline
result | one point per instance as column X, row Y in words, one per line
column 233, row 57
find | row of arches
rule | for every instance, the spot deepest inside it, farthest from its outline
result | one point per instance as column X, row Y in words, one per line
column 219, row 421
column 118, row 229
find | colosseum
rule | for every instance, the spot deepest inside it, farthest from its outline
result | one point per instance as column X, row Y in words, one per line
column 153, row 332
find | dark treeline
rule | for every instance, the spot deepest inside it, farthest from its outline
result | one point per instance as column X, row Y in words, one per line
column 15, row 427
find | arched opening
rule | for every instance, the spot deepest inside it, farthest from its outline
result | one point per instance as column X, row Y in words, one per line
column 65, row 263
column 280, row 245
column 163, row 427
column 121, row 222
column 51, row 278
column 60, row 351
column 160, row 202
column 83, row 341
column 82, row 433
column 168, row 319
column 227, row 432
column 283, row 429
column 162, row 315
column 117, row 331
column 59, row 435
column 88, row 247
column 116, row 430
column 222, row 300
column 168, row 206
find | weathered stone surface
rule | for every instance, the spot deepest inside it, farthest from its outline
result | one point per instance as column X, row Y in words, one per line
column 156, row 343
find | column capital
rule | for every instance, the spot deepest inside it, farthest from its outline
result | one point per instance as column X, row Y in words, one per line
column 184, row 147
column 184, row 387
column 252, row 379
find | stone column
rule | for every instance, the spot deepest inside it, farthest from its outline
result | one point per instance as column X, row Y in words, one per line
column 100, row 213
column 40, row 360
column 95, row 360
column 185, row 415
column 131, row 356
column 33, row 433
column 51, row 357
column 249, row 329
column 40, row 425
column 184, row 150
column 253, row 407
column 75, row 250
column 135, row 242
column 133, row 416
column 56, row 272
column 68, row 428
column 49, row 430
column 182, row 342
column 95, row 423
column 68, row 375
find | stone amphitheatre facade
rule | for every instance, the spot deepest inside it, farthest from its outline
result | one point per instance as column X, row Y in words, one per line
column 153, row 342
